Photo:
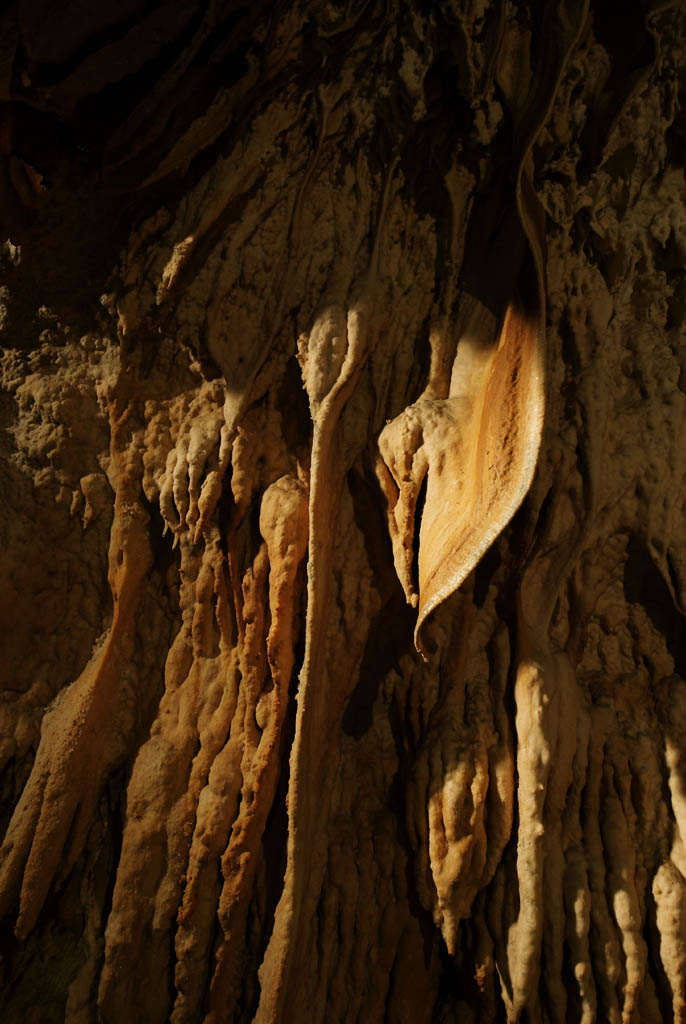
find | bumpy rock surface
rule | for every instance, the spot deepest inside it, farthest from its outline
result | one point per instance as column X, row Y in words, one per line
column 343, row 388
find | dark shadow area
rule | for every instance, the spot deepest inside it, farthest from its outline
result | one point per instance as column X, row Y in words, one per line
column 391, row 632
column 644, row 585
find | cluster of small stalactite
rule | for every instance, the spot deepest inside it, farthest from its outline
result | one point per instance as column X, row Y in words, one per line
column 291, row 312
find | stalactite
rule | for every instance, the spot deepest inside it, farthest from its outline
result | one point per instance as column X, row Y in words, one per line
column 341, row 513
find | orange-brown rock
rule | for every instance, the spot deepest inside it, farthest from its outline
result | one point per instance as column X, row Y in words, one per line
column 342, row 394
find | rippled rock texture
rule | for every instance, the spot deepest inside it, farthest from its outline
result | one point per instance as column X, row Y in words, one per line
column 342, row 512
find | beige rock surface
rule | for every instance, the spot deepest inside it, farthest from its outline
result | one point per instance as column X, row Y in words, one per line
column 342, row 393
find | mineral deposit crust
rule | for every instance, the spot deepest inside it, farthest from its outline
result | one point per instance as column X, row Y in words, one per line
column 342, row 512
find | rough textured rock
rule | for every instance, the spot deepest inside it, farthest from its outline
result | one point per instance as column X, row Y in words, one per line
column 328, row 328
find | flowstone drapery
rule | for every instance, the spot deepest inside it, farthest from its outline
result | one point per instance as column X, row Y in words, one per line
column 342, row 524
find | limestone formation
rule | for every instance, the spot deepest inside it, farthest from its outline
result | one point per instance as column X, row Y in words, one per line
column 343, row 386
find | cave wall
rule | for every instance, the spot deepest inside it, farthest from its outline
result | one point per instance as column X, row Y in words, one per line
column 342, row 512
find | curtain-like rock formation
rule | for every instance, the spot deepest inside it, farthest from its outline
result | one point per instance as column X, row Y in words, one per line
column 342, row 512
